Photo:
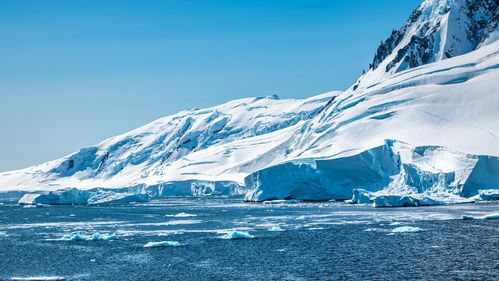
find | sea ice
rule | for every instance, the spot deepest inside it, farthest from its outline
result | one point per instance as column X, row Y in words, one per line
column 38, row 278
column 181, row 215
column 237, row 235
column 492, row 216
column 162, row 244
column 407, row 229
column 465, row 217
column 93, row 237
column 276, row 228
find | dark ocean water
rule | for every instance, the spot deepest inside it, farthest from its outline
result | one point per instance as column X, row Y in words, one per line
column 321, row 241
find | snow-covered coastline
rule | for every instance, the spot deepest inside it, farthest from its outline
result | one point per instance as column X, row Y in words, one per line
column 421, row 127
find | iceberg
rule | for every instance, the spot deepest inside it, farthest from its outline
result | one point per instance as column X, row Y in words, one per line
column 58, row 197
column 276, row 228
column 488, row 194
column 93, row 237
column 493, row 216
column 410, row 229
column 466, row 217
column 237, row 235
column 162, row 244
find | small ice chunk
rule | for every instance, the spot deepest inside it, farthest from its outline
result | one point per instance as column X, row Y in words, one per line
column 488, row 194
column 181, row 215
column 162, row 244
column 290, row 201
column 465, row 217
column 93, row 237
column 395, row 223
column 493, row 216
column 276, row 228
column 410, row 229
column 237, row 235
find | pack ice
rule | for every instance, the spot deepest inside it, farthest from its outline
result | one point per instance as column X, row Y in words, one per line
column 420, row 127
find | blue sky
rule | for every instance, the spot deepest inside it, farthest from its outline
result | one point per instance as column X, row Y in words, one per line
column 75, row 72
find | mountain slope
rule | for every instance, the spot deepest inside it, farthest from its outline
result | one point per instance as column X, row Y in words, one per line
column 126, row 160
column 436, row 30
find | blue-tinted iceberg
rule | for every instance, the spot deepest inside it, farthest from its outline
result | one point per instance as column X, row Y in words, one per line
column 59, row 197
column 237, row 235
column 409, row 229
column 93, row 237
column 162, row 244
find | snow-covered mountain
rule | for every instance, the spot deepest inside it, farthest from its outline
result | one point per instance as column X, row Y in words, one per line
column 435, row 31
column 420, row 127
column 161, row 151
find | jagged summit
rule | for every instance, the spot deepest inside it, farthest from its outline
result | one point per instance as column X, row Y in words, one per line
column 437, row 30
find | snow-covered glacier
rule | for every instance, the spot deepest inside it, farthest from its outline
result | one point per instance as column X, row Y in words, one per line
column 182, row 154
column 420, row 127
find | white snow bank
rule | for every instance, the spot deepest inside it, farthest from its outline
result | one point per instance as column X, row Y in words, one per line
column 93, row 237
column 110, row 197
column 407, row 229
column 58, row 197
column 162, row 244
column 237, row 235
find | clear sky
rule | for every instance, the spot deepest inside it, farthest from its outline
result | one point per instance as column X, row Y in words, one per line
column 75, row 72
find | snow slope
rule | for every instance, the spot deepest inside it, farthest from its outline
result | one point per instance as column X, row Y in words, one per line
column 161, row 151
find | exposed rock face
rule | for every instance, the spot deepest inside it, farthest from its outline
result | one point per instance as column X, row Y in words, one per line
column 437, row 30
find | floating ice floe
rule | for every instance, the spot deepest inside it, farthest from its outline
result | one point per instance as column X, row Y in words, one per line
column 289, row 201
column 466, row 217
column 93, row 237
column 382, row 199
column 181, row 215
column 237, row 235
column 395, row 223
column 38, row 278
column 488, row 194
column 276, row 228
column 410, row 229
column 492, row 216
column 162, row 244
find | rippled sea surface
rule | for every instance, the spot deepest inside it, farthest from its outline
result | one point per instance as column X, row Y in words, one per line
column 320, row 241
